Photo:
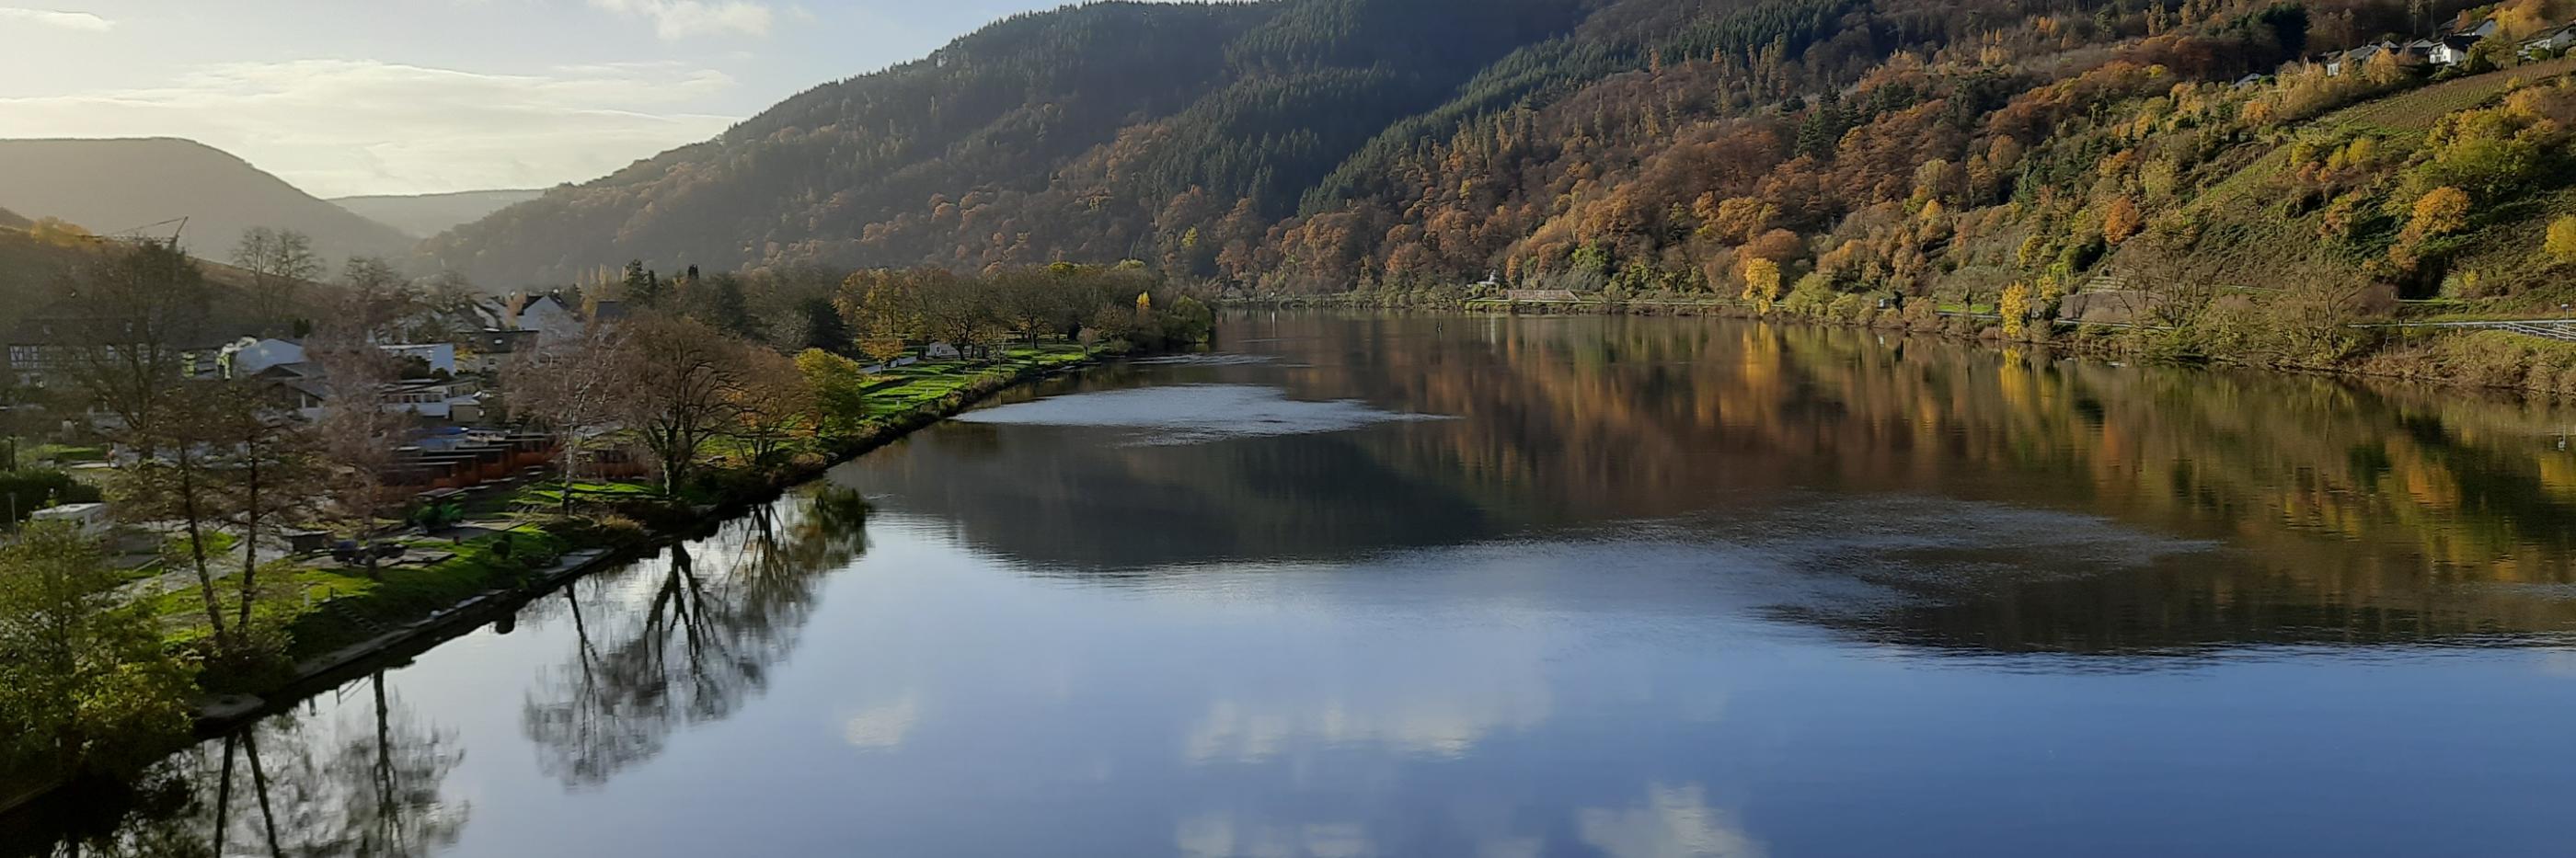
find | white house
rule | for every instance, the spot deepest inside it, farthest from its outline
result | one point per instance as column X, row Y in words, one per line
column 2550, row 42
column 436, row 400
column 253, row 355
column 441, row 357
column 549, row 317
column 2449, row 50
column 90, row 519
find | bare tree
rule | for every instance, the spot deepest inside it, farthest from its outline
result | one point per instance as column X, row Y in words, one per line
column 375, row 299
column 773, row 399
column 682, row 378
column 130, row 350
column 269, row 462
column 572, row 389
column 280, row 261
column 129, row 356
column 957, row 309
column 361, row 437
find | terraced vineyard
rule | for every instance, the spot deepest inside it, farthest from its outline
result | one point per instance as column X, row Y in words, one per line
column 2416, row 111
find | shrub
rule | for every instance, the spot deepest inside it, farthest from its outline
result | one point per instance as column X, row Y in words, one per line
column 22, row 492
column 2561, row 243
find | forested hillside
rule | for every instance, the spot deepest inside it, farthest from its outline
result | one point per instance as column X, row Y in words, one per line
column 1060, row 134
column 1815, row 156
column 119, row 184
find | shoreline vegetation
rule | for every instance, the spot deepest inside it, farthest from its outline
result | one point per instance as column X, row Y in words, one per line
column 482, row 583
column 2242, row 181
column 2482, row 359
column 659, row 419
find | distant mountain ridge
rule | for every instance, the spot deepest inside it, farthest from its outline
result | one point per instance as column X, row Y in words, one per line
column 1101, row 113
column 115, row 184
column 425, row 215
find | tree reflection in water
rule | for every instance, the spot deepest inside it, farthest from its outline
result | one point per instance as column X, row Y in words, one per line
column 2333, row 512
column 368, row 782
column 718, row 614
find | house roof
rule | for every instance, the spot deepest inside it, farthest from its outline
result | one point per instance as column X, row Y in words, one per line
column 301, row 369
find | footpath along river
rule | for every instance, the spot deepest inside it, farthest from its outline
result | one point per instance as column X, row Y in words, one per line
column 1386, row 585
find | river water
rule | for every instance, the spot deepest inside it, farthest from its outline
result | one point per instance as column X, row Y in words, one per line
column 1448, row 586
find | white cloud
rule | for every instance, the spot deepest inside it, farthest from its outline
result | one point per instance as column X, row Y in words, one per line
column 1221, row 835
column 1676, row 822
column 674, row 20
column 337, row 127
column 51, row 18
column 883, row 727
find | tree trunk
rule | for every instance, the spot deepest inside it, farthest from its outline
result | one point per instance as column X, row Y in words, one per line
column 224, row 797
column 259, row 782
column 197, row 547
column 571, row 460
column 384, row 754
column 250, row 544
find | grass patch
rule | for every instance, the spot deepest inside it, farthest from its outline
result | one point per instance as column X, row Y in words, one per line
column 333, row 608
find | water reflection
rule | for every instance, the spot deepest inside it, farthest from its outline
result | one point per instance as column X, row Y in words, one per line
column 2299, row 510
column 682, row 638
column 1646, row 588
column 713, row 617
column 368, row 781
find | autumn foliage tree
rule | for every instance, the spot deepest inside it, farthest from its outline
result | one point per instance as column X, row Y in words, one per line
column 1761, row 283
column 684, row 382
column 2560, row 243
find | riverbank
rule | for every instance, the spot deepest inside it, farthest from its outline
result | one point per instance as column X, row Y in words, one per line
column 2491, row 360
column 361, row 624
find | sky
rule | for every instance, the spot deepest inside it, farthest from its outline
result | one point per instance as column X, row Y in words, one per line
column 348, row 97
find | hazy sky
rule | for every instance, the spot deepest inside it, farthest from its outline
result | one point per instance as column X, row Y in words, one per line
column 414, row 96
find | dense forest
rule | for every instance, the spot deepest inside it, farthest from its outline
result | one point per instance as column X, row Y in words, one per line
column 1828, row 157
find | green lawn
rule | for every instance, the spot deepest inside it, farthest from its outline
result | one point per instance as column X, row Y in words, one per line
column 402, row 594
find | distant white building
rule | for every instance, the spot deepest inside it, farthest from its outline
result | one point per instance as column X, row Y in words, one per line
column 441, row 357
column 2551, row 42
column 254, row 355
column 2450, row 50
column 90, row 519
column 549, row 317
column 456, row 400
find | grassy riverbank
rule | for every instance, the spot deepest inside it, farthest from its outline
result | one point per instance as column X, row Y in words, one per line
column 513, row 542
column 509, row 538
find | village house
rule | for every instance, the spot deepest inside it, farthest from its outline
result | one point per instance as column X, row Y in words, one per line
column 52, row 342
column 2549, row 44
column 549, row 317
column 2450, row 50
column 491, row 349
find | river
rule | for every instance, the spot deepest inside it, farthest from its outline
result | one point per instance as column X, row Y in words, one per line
column 1356, row 585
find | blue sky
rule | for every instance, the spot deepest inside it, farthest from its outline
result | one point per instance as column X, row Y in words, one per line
column 417, row 96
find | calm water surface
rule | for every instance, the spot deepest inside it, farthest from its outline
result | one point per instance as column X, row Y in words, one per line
column 1361, row 586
